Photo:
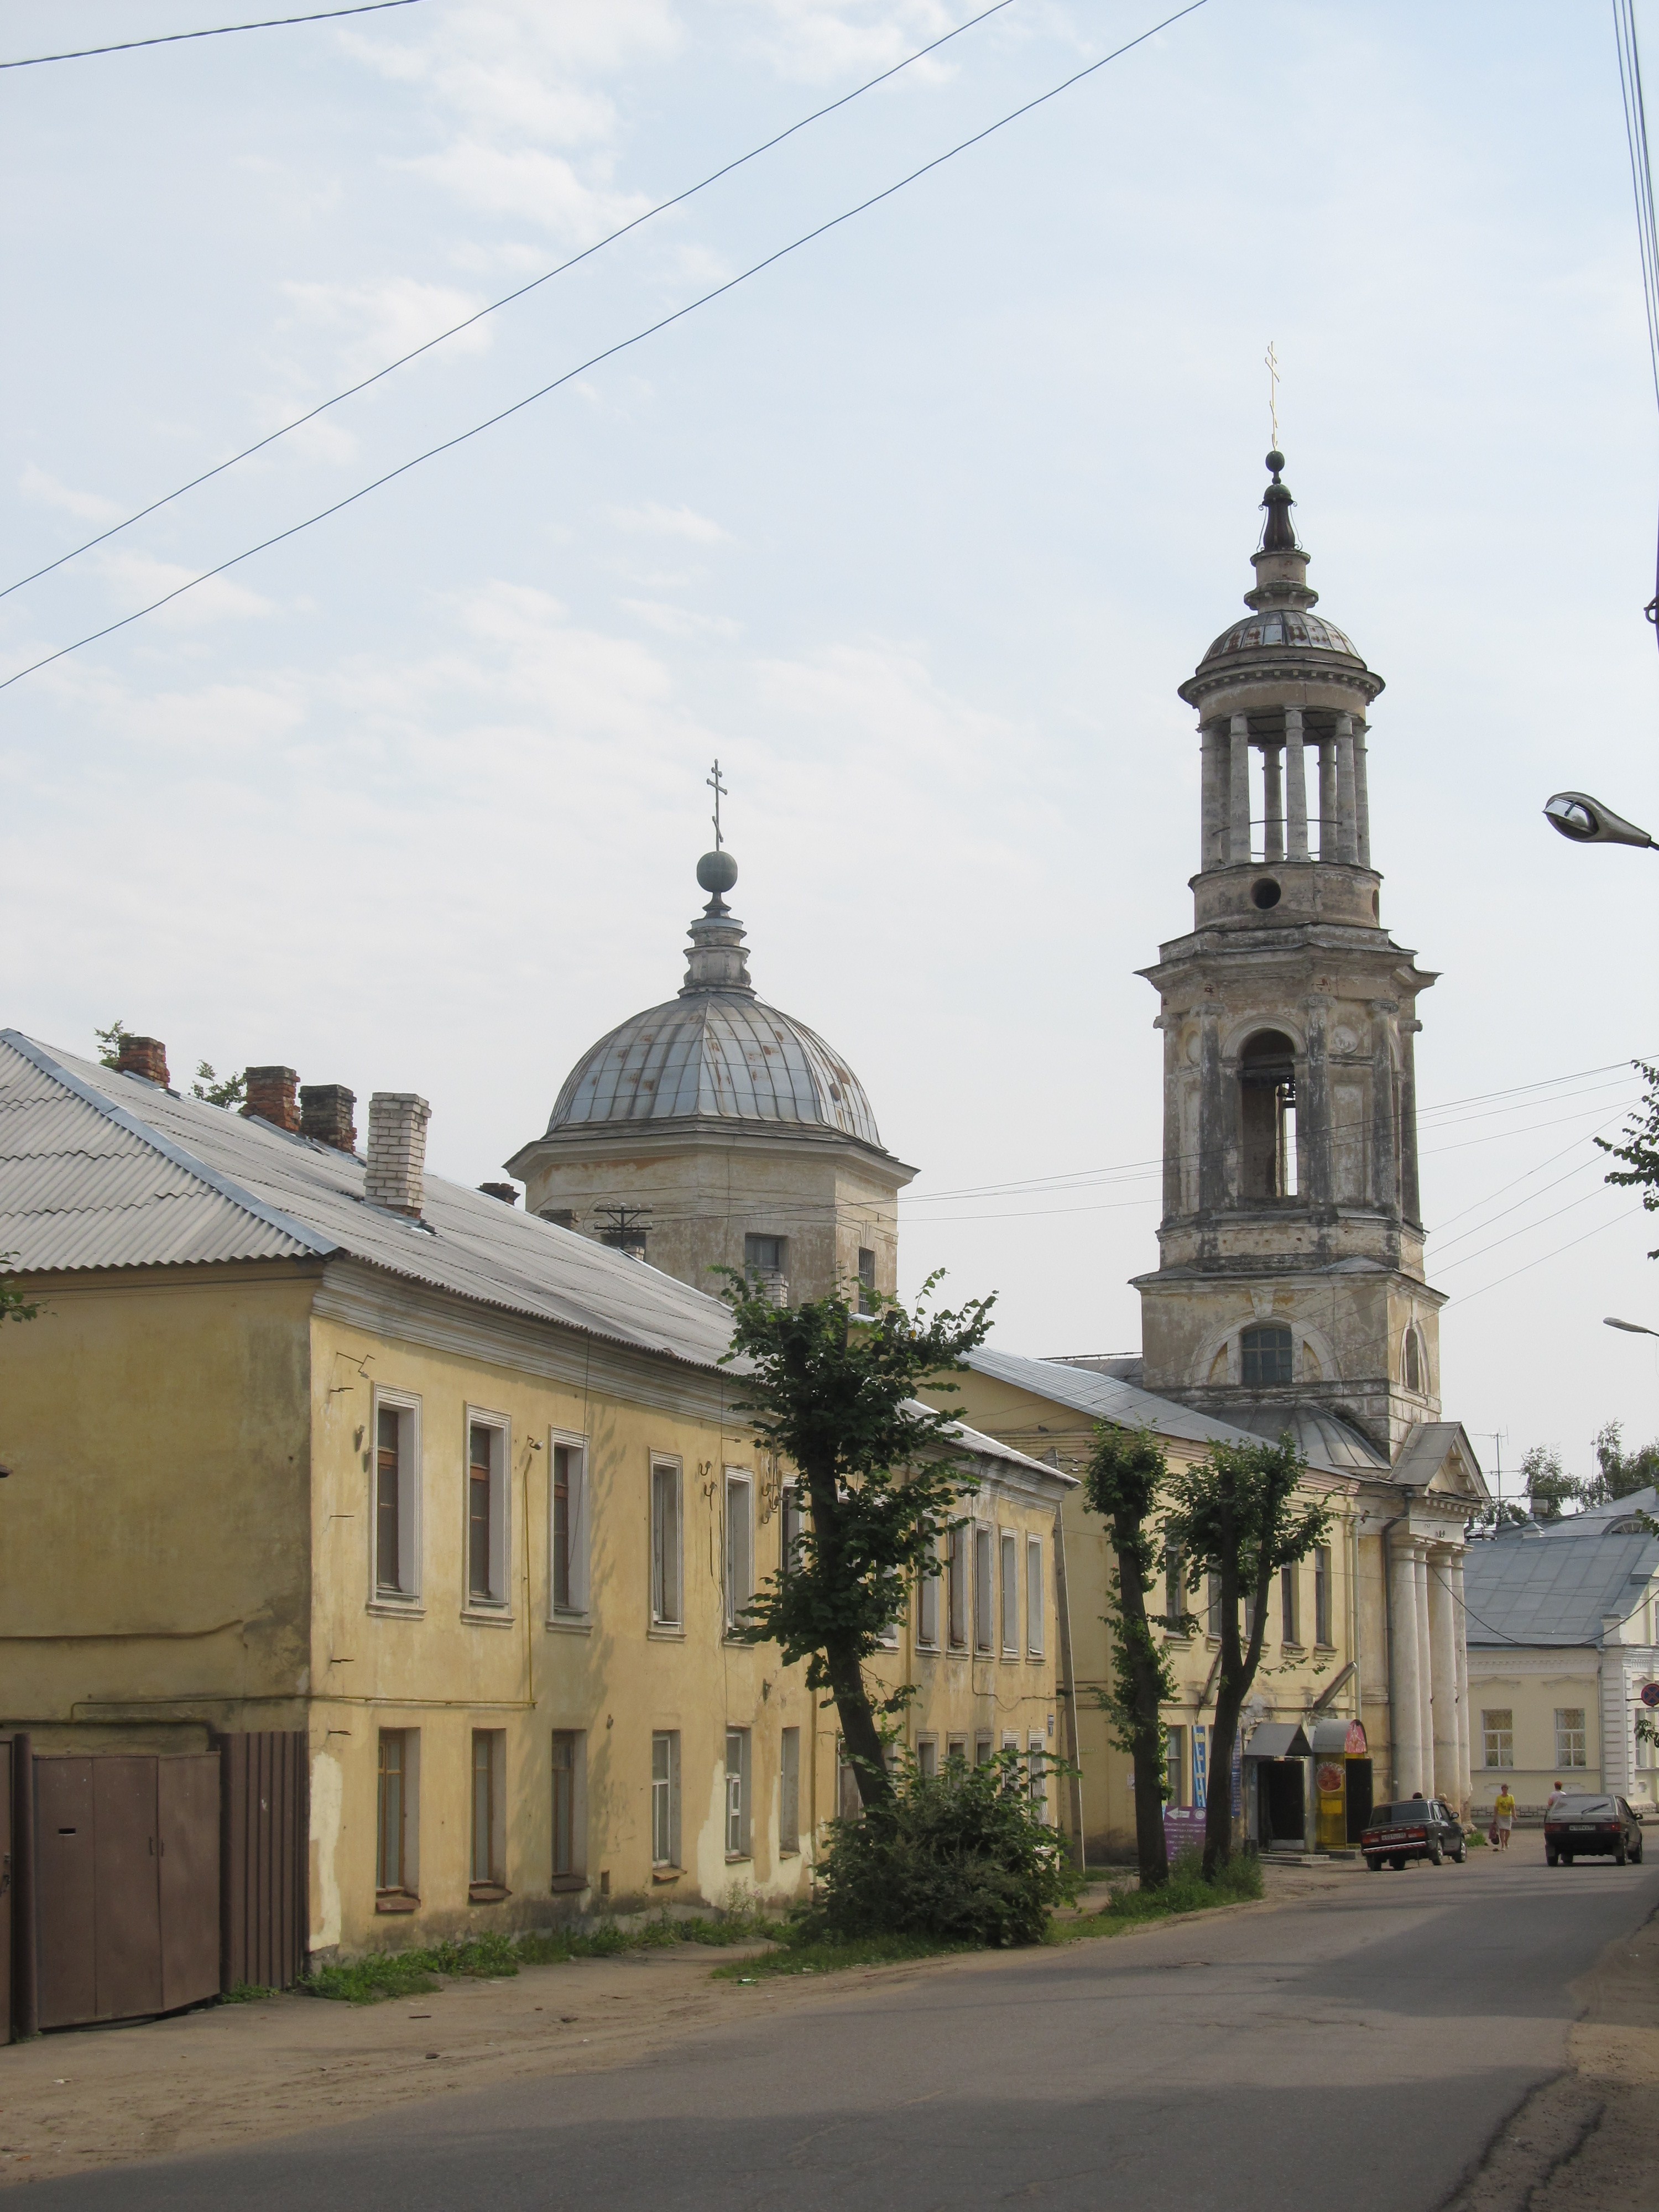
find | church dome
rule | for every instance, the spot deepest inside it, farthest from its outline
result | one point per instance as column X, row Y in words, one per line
column 1282, row 627
column 716, row 1052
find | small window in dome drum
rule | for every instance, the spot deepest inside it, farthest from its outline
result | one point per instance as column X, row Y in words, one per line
column 1267, row 1355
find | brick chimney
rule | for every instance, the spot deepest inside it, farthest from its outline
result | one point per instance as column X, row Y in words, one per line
column 145, row 1057
column 506, row 1192
column 328, row 1112
column 397, row 1152
column 273, row 1095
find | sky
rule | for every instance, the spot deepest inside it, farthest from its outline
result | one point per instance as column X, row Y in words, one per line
column 918, row 530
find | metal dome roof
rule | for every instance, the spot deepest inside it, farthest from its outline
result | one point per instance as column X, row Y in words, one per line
column 1282, row 627
column 715, row 1054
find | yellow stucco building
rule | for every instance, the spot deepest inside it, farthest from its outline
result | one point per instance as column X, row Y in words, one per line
column 313, row 1441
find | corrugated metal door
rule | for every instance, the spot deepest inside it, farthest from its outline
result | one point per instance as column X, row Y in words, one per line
column 127, row 1887
column 187, row 1844
column 7, row 1898
column 65, row 1908
column 266, row 1819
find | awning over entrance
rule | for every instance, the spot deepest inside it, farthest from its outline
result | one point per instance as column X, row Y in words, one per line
column 1320, row 1739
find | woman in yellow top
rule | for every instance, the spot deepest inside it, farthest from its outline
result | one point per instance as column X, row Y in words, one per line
column 1503, row 1817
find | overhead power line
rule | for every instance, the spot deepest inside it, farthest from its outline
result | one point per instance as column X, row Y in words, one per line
column 218, row 31
column 1641, row 177
column 495, row 305
column 608, row 352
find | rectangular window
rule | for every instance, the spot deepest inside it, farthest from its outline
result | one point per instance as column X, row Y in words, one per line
column 1572, row 1748
column 397, row 1498
column 1036, row 1775
column 666, row 1798
column 1175, row 1767
column 1249, row 1616
column 1175, row 1600
column 567, row 1828
column 389, row 1850
column 739, row 1546
column 488, row 1809
column 1009, row 1547
column 789, row 1794
column 1034, row 1606
column 765, row 1263
column 956, row 1747
column 791, row 1519
column 1497, row 1737
column 984, row 1620
column 956, row 1588
column 849, row 1805
column 982, row 1751
column 1323, row 1595
column 568, row 1525
column 486, row 1512
column 927, row 1757
column 927, row 1609
column 1289, row 1609
column 867, row 1280
column 665, row 1608
column 737, row 1793
column 1212, row 1605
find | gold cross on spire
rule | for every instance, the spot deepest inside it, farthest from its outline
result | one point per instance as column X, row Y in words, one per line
column 719, row 791
column 1270, row 362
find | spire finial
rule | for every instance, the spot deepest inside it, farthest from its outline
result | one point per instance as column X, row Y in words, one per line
column 1270, row 362
column 1279, row 536
column 717, row 870
column 719, row 791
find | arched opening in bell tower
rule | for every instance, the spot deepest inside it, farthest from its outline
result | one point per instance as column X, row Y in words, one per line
column 1266, row 1082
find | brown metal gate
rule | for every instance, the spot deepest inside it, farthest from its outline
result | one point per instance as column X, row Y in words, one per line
column 7, row 1900
column 264, row 1827
column 126, row 1886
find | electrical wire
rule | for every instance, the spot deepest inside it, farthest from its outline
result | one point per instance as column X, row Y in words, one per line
column 1468, row 1297
column 609, row 353
column 1641, row 177
column 495, row 305
column 219, row 31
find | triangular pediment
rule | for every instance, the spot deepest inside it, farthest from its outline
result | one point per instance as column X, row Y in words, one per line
column 1438, row 1456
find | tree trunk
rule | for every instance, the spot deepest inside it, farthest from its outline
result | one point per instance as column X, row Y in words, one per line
column 842, row 1664
column 1238, row 1669
column 1145, row 1723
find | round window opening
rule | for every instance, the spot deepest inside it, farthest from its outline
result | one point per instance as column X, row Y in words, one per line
column 1265, row 894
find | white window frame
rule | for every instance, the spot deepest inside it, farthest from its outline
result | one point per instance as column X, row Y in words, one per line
column 738, row 1573
column 928, row 1610
column 739, row 1793
column 1491, row 1736
column 574, row 1614
column 663, row 1621
column 407, row 1597
column 497, row 1606
column 1567, row 1755
column 959, row 1587
column 1008, row 1593
column 791, row 1524
column 928, row 1756
column 665, row 1799
column 1036, row 1775
column 985, row 1625
column 411, row 1886
column 1324, row 1567
column 789, row 1794
column 494, row 1878
column 1036, row 1601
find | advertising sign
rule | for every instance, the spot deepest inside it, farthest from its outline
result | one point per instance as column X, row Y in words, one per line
column 1184, row 1829
column 1200, row 1766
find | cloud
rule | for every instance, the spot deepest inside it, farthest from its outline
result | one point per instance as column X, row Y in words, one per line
column 680, row 622
column 531, row 185
column 379, row 322
column 142, row 580
column 86, row 506
column 671, row 522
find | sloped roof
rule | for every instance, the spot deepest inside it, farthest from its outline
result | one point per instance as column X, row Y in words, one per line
column 1324, row 1439
column 1103, row 1397
column 1555, row 1586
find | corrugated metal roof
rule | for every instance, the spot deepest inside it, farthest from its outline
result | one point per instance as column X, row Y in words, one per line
column 1556, row 1587
column 1323, row 1438
column 1104, row 1397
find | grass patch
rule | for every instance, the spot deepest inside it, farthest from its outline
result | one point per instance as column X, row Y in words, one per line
column 1238, row 1882
column 832, row 1957
column 417, row 1973
column 245, row 1993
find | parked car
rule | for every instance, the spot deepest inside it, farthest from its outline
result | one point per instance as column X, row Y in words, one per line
column 1415, row 1828
column 1580, row 1825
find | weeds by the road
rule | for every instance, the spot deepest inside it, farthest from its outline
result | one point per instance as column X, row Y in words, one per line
column 830, row 1957
column 1238, row 1882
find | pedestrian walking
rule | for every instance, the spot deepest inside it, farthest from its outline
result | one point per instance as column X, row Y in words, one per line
column 1502, row 1818
column 1557, row 1793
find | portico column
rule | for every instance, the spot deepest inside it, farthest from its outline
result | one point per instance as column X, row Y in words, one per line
column 1346, row 843
column 1272, row 791
column 1424, row 1662
column 1465, row 1731
column 1238, row 840
column 1361, row 804
column 1212, row 739
column 1443, row 1640
column 1327, row 839
column 1405, row 1704
column 1295, row 781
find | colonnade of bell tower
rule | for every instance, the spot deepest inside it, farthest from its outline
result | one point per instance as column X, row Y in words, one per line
column 1291, row 1245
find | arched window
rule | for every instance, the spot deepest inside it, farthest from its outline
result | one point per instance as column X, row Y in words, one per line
column 1266, row 1082
column 1413, row 1361
column 1266, row 1354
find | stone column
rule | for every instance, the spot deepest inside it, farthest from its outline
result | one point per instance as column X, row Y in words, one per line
column 1385, row 1168
column 1406, row 1703
column 1212, row 742
column 1272, row 803
column 1443, row 1637
column 1328, row 798
column 1347, row 845
column 1313, row 1109
column 1424, row 1662
column 1411, row 1202
column 1238, row 821
column 1211, row 1112
column 1465, row 1728
column 1296, row 785
column 1361, row 804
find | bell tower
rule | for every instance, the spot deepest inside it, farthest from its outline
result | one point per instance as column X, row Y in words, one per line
column 1290, row 1280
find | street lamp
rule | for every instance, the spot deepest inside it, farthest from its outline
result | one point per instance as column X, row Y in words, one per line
column 1635, row 1327
column 1586, row 820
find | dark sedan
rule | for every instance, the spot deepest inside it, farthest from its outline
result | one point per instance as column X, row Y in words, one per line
column 1415, row 1828
column 1581, row 1826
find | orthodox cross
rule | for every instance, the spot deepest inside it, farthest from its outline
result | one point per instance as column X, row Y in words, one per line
column 1270, row 362
column 719, row 791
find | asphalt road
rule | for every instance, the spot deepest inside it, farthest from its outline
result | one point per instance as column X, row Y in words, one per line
column 1360, row 2048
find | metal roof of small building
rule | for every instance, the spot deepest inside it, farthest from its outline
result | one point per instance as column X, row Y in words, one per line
column 1322, row 1437
column 1557, row 1585
column 1103, row 1396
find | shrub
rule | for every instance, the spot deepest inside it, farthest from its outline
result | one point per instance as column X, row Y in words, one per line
column 960, row 1857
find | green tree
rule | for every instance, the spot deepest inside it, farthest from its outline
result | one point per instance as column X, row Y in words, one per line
column 1640, row 1150
column 219, row 1089
column 1550, row 1489
column 1237, row 1514
column 833, row 1393
column 110, row 1042
column 1619, row 1472
column 14, row 1306
column 1126, row 1473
